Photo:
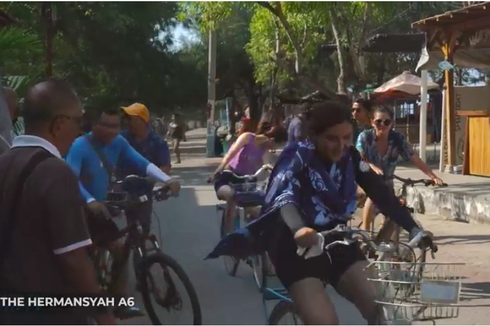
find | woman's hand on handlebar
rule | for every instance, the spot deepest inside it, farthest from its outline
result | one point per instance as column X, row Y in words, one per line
column 306, row 237
column 437, row 181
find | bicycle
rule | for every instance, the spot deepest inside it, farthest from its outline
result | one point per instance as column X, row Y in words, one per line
column 248, row 193
column 351, row 236
column 389, row 227
column 132, row 196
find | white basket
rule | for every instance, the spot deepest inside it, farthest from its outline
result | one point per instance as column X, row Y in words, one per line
column 417, row 291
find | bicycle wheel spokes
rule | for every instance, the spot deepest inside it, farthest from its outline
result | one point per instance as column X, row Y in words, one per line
column 168, row 294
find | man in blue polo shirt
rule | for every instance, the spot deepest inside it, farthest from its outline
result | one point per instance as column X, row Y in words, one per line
column 93, row 157
column 140, row 136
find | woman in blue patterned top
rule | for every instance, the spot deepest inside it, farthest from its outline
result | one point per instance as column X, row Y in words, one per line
column 312, row 189
column 381, row 147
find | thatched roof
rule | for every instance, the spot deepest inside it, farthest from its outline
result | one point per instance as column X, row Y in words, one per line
column 314, row 97
column 395, row 43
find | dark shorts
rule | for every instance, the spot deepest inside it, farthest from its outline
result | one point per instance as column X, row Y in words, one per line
column 291, row 268
column 225, row 179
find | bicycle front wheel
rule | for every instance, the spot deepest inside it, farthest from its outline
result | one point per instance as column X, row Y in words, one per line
column 285, row 312
column 163, row 298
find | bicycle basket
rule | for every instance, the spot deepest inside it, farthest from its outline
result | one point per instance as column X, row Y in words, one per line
column 248, row 187
column 417, row 291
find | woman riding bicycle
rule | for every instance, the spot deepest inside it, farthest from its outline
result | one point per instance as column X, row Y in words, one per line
column 381, row 147
column 244, row 157
column 313, row 188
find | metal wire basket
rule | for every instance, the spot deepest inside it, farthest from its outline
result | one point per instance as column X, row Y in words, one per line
column 417, row 291
column 249, row 187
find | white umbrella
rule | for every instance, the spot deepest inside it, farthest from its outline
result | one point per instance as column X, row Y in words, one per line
column 406, row 83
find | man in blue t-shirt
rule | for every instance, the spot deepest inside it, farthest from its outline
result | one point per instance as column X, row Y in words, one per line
column 93, row 158
column 140, row 136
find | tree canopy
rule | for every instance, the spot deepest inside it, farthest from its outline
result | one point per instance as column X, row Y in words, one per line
column 115, row 53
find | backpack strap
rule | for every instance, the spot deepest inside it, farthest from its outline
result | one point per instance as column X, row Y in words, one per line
column 10, row 218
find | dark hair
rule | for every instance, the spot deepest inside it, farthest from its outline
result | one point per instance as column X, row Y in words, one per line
column 384, row 109
column 365, row 103
column 326, row 115
column 47, row 99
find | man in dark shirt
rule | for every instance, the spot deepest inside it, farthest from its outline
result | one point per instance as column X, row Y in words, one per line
column 43, row 250
column 140, row 136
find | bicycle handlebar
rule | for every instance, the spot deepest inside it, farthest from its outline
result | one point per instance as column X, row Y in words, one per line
column 410, row 182
column 248, row 177
column 350, row 238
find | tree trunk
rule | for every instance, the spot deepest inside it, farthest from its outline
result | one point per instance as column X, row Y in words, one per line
column 341, row 89
column 47, row 13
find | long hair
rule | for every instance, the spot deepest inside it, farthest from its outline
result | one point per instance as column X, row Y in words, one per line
column 247, row 125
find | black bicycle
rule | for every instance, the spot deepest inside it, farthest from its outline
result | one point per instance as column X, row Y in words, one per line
column 169, row 298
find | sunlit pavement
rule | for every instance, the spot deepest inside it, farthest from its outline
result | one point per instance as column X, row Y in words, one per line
column 189, row 231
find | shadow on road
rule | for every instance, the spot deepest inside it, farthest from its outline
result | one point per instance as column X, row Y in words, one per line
column 463, row 239
column 472, row 291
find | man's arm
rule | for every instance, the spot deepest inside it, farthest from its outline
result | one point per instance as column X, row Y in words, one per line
column 74, row 159
column 143, row 165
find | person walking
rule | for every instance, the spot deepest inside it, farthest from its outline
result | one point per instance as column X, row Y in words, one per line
column 43, row 231
column 177, row 133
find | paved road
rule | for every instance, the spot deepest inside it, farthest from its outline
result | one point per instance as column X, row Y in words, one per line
column 189, row 230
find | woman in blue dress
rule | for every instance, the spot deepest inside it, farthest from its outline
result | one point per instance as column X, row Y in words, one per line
column 311, row 189
column 381, row 147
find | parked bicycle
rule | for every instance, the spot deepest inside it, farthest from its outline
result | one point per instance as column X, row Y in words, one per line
column 169, row 298
column 351, row 235
column 249, row 195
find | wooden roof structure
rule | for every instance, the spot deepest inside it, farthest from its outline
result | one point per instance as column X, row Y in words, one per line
column 458, row 24
column 449, row 32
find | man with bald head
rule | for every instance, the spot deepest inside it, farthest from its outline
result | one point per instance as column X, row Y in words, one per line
column 43, row 231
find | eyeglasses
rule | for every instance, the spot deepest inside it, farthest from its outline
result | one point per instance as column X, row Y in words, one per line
column 385, row 122
column 109, row 125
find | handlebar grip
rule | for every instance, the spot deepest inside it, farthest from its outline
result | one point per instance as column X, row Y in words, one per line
column 444, row 185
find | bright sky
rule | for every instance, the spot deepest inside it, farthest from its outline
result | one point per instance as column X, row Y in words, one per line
column 180, row 33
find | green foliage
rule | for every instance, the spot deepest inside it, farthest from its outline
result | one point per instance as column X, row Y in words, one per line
column 114, row 53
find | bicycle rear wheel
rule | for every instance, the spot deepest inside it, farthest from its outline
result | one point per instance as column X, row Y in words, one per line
column 281, row 311
column 170, row 297
column 231, row 263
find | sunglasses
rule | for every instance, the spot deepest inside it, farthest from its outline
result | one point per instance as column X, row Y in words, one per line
column 356, row 110
column 385, row 122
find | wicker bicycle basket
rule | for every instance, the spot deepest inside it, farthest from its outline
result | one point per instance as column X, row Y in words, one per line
column 410, row 292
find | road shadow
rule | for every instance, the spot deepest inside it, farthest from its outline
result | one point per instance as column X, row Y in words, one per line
column 475, row 291
column 462, row 239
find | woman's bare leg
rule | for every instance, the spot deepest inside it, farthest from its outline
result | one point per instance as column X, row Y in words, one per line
column 355, row 287
column 367, row 215
column 313, row 304
column 226, row 193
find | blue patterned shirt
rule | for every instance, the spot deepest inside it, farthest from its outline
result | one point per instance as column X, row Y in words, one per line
column 397, row 146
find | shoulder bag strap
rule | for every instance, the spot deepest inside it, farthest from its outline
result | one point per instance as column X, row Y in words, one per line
column 11, row 212
column 105, row 163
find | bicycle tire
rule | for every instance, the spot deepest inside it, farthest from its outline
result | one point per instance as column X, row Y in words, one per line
column 168, row 262
column 281, row 309
column 231, row 263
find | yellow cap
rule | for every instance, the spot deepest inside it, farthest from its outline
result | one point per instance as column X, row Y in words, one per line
column 137, row 110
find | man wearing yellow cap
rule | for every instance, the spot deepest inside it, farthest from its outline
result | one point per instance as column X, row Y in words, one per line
column 152, row 147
